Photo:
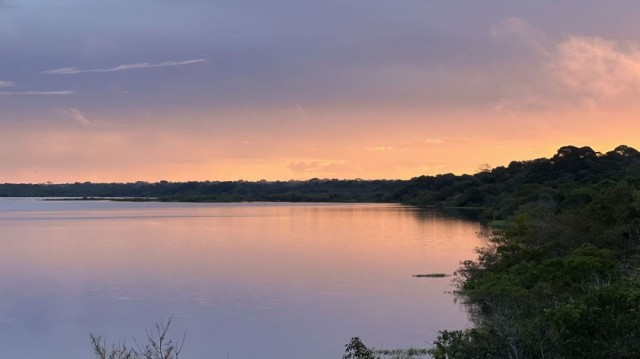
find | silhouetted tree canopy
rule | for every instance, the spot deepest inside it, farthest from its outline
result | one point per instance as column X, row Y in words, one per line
column 567, row 178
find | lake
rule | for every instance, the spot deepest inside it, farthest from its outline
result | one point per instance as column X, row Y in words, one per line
column 246, row 280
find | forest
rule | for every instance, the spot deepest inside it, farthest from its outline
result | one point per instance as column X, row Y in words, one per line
column 562, row 278
column 557, row 282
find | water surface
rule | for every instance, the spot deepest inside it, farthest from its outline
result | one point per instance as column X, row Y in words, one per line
column 244, row 280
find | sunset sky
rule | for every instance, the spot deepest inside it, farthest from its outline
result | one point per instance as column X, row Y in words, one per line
column 124, row 90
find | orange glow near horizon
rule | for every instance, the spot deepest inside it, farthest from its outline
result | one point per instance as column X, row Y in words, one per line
column 345, row 146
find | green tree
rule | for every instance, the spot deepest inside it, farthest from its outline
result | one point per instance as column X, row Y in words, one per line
column 357, row 350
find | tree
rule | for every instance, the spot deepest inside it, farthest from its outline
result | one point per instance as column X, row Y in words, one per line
column 484, row 168
column 357, row 350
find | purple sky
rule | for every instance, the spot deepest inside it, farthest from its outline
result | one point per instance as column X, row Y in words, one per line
column 148, row 90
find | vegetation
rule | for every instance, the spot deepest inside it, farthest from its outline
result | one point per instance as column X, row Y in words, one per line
column 158, row 346
column 356, row 349
column 410, row 353
column 568, row 179
column 562, row 278
column 314, row 190
column 431, row 275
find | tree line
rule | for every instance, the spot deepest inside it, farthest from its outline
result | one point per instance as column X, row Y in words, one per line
column 570, row 178
column 313, row 190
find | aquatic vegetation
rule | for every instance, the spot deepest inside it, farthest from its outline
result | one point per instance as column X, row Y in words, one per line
column 432, row 275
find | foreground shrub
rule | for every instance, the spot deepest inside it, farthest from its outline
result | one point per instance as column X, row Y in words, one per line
column 157, row 346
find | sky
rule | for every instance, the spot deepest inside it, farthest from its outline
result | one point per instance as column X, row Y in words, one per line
column 179, row 90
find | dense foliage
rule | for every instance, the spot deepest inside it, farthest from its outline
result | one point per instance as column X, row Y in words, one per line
column 568, row 179
column 355, row 349
column 562, row 280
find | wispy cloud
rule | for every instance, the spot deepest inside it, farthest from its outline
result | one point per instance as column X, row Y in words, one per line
column 79, row 117
column 380, row 148
column 36, row 93
column 116, row 89
column 124, row 67
column 518, row 31
column 303, row 113
column 6, row 84
column 437, row 140
column 325, row 167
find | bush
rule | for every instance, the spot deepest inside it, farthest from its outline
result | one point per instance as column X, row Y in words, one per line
column 357, row 350
column 158, row 346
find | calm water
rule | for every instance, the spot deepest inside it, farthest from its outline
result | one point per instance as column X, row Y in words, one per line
column 244, row 280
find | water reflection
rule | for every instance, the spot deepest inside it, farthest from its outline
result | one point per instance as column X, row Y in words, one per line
column 253, row 280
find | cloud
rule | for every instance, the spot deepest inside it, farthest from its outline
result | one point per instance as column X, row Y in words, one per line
column 519, row 31
column 303, row 113
column 379, row 148
column 79, row 117
column 573, row 70
column 124, row 67
column 5, row 84
column 437, row 140
column 521, row 103
column 321, row 167
column 36, row 93
column 600, row 68
column 432, row 142
column 116, row 89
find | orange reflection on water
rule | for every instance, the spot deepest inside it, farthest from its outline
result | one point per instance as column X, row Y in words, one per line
column 240, row 271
